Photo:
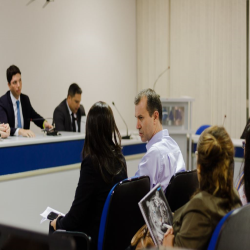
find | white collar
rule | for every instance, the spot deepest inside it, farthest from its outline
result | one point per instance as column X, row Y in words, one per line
column 13, row 99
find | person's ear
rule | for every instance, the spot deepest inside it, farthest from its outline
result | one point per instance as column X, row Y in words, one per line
column 156, row 115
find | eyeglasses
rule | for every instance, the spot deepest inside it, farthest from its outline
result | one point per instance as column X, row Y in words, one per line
column 243, row 144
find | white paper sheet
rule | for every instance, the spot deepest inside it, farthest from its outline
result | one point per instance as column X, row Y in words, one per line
column 47, row 211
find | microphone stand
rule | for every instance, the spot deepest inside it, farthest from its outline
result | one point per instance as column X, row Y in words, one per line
column 160, row 76
column 126, row 137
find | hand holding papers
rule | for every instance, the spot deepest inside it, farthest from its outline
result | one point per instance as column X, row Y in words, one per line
column 48, row 211
column 157, row 213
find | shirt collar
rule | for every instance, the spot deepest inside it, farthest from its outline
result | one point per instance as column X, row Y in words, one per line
column 156, row 138
column 13, row 99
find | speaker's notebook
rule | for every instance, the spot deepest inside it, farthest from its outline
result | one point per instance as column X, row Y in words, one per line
column 157, row 213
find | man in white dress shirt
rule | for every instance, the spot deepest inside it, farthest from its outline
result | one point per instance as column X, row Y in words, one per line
column 163, row 158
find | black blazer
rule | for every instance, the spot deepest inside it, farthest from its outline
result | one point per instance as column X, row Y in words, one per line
column 86, row 210
column 244, row 133
column 61, row 117
column 7, row 112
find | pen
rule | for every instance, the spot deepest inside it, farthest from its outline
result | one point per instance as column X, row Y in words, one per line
column 168, row 226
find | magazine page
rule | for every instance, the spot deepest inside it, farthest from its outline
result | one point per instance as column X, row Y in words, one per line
column 157, row 213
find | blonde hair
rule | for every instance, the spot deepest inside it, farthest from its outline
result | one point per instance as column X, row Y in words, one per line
column 216, row 160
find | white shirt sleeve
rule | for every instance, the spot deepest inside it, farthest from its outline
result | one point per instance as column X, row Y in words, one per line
column 151, row 165
column 16, row 132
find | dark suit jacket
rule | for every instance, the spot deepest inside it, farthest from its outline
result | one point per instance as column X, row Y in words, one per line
column 91, row 193
column 244, row 133
column 61, row 117
column 7, row 112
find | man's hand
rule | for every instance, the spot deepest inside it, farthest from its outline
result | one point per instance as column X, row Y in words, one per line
column 4, row 130
column 47, row 125
column 26, row 133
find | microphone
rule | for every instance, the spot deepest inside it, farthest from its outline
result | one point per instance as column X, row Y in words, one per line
column 39, row 119
column 160, row 76
column 50, row 132
column 225, row 116
column 127, row 136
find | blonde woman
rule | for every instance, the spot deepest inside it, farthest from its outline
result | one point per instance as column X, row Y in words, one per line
column 194, row 223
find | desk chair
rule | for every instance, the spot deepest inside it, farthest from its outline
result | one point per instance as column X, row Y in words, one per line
column 201, row 129
column 180, row 188
column 82, row 240
column 121, row 216
column 233, row 230
column 13, row 238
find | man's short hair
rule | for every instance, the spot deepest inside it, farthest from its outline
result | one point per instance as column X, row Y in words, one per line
column 11, row 71
column 153, row 102
column 74, row 89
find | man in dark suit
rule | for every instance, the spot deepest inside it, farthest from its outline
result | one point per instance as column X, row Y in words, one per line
column 16, row 109
column 67, row 115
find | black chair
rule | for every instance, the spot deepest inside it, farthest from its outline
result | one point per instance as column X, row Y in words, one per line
column 12, row 238
column 180, row 188
column 121, row 216
column 233, row 231
column 82, row 240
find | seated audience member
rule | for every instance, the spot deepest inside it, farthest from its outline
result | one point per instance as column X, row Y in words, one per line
column 16, row 109
column 241, row 183
column 4, row 130
column 102, row 167
column 243, row 136
column 67, row 115
column 245, row 190
column 163, row 158
column 194, row 223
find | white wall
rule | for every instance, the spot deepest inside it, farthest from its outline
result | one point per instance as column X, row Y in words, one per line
column 153, row 45
column 92, row 43
column 204, row 43
column 208, row 60
column 24, row 199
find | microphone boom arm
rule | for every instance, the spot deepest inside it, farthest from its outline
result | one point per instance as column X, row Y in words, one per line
column 127, row 136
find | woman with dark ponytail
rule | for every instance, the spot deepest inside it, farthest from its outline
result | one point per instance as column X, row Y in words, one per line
column 195, row 222
column 102, row 167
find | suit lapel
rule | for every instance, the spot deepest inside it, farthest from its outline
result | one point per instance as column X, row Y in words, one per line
column 11, row 109
column 68, row 118
column 24, row 111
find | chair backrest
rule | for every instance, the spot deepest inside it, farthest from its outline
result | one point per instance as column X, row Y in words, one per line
column 233, row 231
column 81, row 240
column 201, row 129
column 180, row 188
column 12, row 238
column 121, row 216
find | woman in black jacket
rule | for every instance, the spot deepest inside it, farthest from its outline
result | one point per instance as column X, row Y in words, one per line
column 102, row 167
